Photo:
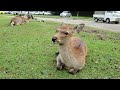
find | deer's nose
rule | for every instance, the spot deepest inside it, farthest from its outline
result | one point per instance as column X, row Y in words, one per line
column 54, row 39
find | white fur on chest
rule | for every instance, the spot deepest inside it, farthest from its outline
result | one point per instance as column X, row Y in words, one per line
column 68, row 57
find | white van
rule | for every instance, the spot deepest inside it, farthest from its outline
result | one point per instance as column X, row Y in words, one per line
column 107, row 16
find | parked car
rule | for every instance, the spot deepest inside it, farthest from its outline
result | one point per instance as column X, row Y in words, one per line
column 8, row 12
column 20, row 12
column 23, row 12
column 107, row 16
column 32, row 12
column 47, row 13
column 41, row 12
column 16, row 12
column 65, row 14
column 2, row 12
column 36, row 13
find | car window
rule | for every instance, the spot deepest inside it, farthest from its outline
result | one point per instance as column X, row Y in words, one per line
column 65, row 11
column 109, row 11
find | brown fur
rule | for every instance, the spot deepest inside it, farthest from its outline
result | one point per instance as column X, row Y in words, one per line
column 72, row 50
column 18, row 20
column 69, row 27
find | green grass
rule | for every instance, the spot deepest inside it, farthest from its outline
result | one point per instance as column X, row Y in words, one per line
column 27, row 52
column 47, row 16
column 56, row 16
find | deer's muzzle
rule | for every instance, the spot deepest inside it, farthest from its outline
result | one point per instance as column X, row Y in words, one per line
column 54, row 39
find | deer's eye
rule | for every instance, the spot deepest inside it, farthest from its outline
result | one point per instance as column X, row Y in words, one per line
column 66, row 33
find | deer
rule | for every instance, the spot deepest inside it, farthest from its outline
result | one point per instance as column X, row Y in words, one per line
column 72, row 50
column 19, row 20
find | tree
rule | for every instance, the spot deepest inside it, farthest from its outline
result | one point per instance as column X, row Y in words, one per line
column 77, row 14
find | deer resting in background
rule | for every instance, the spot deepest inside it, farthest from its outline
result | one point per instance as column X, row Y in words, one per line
column 19, row 20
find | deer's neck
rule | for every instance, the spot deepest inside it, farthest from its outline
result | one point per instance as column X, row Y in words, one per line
column 66, row 45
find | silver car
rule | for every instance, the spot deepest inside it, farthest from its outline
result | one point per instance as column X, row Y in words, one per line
column 65, row 14
column 47, row 13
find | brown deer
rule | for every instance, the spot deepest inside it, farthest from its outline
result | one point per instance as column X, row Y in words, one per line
column 72, row 50
column 18, row 20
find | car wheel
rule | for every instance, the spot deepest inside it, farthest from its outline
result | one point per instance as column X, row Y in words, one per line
column 95, row 19
column 107, row 20
column 103, row 21
column 116, row 22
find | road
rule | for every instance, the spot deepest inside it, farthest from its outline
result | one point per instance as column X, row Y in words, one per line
column 100, row 25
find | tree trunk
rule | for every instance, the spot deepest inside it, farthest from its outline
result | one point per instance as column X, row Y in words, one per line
column 28, row 12
column 77, row 14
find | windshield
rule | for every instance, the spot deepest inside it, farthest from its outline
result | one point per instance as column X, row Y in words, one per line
column 65, row 12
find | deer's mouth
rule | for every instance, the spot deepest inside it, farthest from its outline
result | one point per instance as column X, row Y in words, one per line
column 59, row 42
column 55, row 42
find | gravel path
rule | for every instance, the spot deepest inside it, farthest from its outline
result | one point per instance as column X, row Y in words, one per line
column 100, row 25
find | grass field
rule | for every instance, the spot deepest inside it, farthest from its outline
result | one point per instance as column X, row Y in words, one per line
column 73, row 17
column 47, row 16
column 27, row 52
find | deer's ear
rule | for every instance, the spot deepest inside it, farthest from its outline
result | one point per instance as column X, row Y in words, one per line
column 79, row 27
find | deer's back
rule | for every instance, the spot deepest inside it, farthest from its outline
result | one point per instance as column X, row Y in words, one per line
column 17, row 20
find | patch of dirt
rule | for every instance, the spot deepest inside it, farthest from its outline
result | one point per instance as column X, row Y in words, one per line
column 90, row 30
column 101, row 35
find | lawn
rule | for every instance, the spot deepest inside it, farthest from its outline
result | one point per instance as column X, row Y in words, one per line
column 47, row 16
column 27, row 52
column 57, row 16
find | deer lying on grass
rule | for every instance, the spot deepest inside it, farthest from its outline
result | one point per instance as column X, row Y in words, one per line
column 19, row 20
column 72, row 50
